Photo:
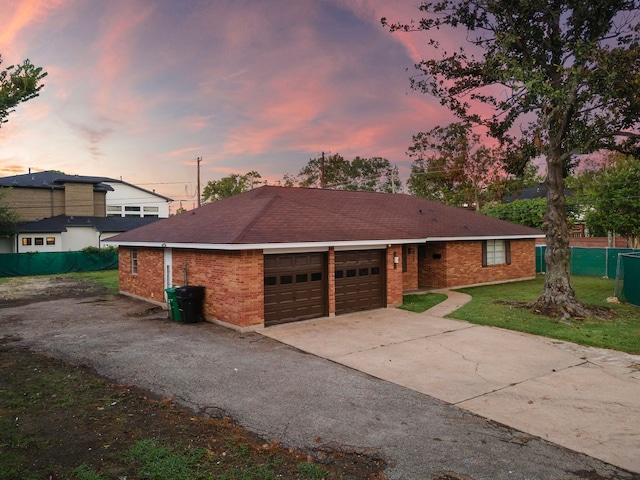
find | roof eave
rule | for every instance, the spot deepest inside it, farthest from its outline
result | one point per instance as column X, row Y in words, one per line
column 485, row 237
column 277, row 247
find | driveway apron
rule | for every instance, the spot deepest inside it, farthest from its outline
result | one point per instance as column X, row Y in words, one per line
column 585, row 399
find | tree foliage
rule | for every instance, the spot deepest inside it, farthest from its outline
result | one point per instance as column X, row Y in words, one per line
column 9, row 217
column 453, row 167
column 529, row 212
column 229, row 186
column 610, row 194
column 374, row 174
column 555, row 79
column 17, row 85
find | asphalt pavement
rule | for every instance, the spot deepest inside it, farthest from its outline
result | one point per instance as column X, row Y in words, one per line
column 285, row 394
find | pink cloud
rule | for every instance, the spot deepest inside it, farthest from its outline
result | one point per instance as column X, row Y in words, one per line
column 20, row 15
column 114, row 63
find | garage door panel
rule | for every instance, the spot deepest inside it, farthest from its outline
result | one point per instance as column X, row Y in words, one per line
column 295, row 287
column 359, row 280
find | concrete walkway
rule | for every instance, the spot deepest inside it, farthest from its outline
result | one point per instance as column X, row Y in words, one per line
column 585, row 399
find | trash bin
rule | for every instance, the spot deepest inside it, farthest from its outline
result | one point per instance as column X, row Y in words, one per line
column 174, row 310
column 190, row 303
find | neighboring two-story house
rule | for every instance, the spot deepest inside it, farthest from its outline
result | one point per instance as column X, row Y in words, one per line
column 60, row 213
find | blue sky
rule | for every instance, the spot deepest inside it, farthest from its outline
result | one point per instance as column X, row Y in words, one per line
column 139, row 88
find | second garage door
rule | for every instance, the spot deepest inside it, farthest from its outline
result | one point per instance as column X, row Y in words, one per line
column 294, row 287
column 359, row 280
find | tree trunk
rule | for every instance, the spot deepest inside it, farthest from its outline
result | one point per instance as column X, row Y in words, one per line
column 558, row 298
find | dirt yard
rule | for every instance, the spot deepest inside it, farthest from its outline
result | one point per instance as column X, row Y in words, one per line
column 25, row 290
column 63, row 421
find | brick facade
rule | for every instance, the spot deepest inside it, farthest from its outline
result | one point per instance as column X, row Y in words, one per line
column 148, row 283
column 331, row 281
column 234, row 280
column 234, row 288
column 394, row 276
column 410, row 267
column 454, row 264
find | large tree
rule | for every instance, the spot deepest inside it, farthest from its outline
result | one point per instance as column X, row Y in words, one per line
column 229, row 186
column 374, row 174
column 17, row 85
column 544, row 77
column 452, row 166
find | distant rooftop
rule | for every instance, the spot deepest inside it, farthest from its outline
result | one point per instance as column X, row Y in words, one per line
column 55, row 180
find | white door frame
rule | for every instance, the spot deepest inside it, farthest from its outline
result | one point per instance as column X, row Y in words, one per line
column 168, row 270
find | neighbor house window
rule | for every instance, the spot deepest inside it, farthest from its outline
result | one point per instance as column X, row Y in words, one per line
column 51, row 240
column 114, row 211
column 26, row 241
column 496, row 252
column 39, row 241
column 134, row 261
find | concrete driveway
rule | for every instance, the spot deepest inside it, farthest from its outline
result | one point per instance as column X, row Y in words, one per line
column 582, row 398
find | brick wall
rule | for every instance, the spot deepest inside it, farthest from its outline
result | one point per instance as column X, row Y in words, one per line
column 233, row 281
column 331, row 281
column 432, row 265
column 410, row 259
column 464, row 263
column 394, row 276
column 148, row 283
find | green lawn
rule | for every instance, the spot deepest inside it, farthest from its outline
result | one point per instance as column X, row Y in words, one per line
column 108, row 278
column 621, row 333
column 421, row 302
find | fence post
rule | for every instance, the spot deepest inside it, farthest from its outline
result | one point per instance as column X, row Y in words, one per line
column 615, row 289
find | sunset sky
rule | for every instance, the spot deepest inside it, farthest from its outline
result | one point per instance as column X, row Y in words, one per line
column 138, row 89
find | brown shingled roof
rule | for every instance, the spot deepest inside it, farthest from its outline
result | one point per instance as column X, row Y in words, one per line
column 277, row 215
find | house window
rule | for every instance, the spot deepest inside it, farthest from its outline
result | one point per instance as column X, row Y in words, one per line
column 496, row 252
column 26, row 241
column 131, row 209
column 39, row 241
column 134, row 261
column 114, row 208
column 151, row 209
column 51, row 240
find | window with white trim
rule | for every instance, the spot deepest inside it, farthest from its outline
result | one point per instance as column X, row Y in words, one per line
column 496, row 252
column 134, row 261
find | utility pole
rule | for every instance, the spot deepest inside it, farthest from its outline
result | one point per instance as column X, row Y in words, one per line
column 199, row 159
column 322, row 183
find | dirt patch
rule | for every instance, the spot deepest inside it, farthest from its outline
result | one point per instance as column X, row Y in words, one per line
column 18, row 291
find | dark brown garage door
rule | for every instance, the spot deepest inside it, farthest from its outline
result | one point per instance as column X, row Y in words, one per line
column 294, row 287
column 359, row 280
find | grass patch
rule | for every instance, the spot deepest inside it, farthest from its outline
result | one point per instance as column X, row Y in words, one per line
column 621, row 333
column 421, row 302
column 106, row 278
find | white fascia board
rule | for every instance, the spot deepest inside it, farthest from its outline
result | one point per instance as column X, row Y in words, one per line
column 485, row 237
column 301, row 247
column 273, row 247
